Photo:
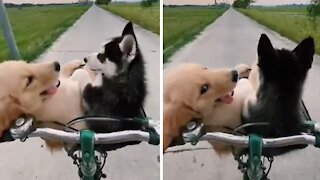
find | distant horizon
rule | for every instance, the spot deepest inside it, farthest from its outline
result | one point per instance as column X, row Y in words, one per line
column 55, row 1
column 258, row 2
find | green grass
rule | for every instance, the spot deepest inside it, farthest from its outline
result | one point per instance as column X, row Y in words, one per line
column 36, row 28
column 147, row 17
column 182, row 24
column 292, row 23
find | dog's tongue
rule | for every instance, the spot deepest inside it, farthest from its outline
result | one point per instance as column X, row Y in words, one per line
column 227, row 99
column 52, row 90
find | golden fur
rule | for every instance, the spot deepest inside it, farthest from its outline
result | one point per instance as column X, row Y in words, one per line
column 183, row 102
column 66, row 104
column 22, row 89
column 18, row 99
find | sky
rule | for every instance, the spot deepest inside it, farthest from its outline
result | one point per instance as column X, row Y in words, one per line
column 258, row 2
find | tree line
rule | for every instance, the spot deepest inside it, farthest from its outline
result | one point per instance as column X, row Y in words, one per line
column 144, row 3
column 313, row 9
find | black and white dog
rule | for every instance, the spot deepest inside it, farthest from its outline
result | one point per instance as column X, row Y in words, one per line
column 281, row 75
column 119, row 88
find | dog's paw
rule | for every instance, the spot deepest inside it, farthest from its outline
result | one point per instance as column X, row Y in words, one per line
column 243, row 70
column 71, row 66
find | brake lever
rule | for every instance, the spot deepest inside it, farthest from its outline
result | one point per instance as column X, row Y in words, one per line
column 193, row 132
column 22, row 128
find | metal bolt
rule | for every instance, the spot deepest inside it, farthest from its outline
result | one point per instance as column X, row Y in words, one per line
column 20, row 121
column 191, row 125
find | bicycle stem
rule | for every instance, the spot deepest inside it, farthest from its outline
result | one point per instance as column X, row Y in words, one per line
column 255, row 171
column 88, row 164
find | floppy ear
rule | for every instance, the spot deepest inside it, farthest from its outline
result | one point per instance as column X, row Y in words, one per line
column 175, row 117
column 264, row 47
column 128, row 47
column 305, row 51
column 9, row 112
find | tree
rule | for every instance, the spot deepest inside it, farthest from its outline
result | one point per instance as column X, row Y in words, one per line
column 103, row 1
column 242, row 3
column 314, row 9
column 148, row 3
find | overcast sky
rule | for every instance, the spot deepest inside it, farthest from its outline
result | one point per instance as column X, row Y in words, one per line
column 258, row 2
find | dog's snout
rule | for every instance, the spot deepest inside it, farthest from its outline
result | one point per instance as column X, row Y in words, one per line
column 234, row 76
column 85, row 60
column 56, row 66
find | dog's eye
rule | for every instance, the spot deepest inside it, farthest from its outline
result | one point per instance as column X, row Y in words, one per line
column 29, row 80
column 204, row 88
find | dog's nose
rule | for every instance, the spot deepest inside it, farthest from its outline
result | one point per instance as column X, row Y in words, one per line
column 234, row 75
column 56, row 66
column 85, row 60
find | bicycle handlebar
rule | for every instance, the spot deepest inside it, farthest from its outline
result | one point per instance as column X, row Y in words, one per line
column 195, row 133
column 243, row 141
column 24, row 129
column 99, row 138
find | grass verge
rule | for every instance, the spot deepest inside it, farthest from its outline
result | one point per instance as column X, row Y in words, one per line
column 292, row 23
column 182, row 24
column 36, row 28
column 147, row 17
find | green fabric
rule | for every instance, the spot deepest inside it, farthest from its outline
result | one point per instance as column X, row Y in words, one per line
column 6, row 137
column 154, row 137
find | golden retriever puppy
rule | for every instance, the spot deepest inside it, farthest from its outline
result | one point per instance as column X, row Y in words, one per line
column 66, row 104
column 192, row 92
column 24, row 89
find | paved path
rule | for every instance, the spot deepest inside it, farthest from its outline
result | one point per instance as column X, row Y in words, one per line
column 30, row 161
column 230, row 40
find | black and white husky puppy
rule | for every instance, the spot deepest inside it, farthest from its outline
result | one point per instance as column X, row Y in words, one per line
column 119, row 88
column 282, row 74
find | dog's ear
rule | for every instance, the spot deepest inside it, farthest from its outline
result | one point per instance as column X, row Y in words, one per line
column 128, row 47
column 305, row 51
column 128, row 29
column 175, row 116
column 9, row 112
column 264, row 47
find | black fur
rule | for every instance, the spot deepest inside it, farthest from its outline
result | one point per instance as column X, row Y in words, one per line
column 120, row 96
column 282, row 75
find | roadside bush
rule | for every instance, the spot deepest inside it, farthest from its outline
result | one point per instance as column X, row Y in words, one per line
column 242, row 3
column 314, row 9
column 103, row 1
column 148, row 3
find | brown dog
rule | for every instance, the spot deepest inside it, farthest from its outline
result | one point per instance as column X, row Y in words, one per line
column 194, row 92
column 24, row 88
column 66, row 104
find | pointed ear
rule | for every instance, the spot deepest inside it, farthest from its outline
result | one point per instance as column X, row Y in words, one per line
column 128, row 29
column 264, row 47
column 305, row 51
column 128, row 47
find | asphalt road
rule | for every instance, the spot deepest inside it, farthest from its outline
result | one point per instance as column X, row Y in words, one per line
column 30, row 160
column 230, row 40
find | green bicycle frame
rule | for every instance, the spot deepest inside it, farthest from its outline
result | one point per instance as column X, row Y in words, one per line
column 88, row 165
column 254, row 164
column 255, row 170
